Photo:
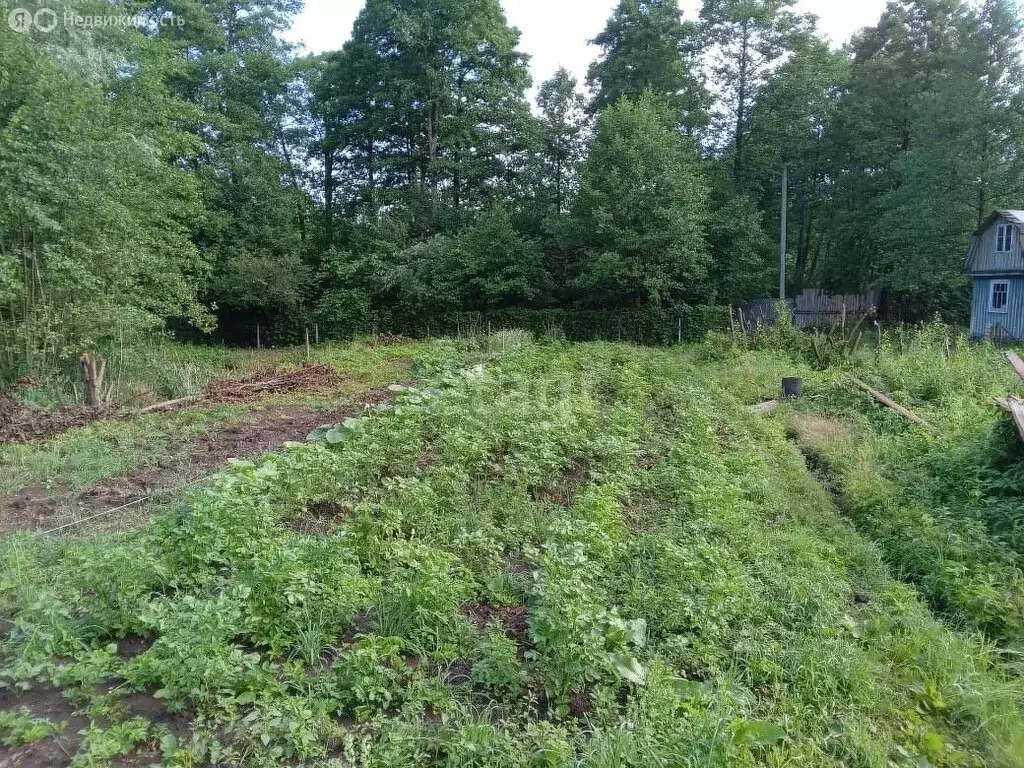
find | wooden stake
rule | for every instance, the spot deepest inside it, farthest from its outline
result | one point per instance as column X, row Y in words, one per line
column 307, row 342
column 888, row 402
column 257, row 335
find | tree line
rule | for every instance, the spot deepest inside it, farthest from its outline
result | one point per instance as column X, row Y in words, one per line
column 200, row 174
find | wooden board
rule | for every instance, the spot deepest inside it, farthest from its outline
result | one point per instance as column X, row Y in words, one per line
column 1015, row 406
column 888, row 402
column 1016, row 362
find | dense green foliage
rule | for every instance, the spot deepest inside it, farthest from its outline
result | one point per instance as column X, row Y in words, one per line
column 565, row 555
column 189, row 170
column 943, row 506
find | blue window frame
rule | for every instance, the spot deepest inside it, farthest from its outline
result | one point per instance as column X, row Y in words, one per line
column 999, row 295
column 1004, row 238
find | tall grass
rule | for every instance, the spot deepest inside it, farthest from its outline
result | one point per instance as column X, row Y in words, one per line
column 943, row 507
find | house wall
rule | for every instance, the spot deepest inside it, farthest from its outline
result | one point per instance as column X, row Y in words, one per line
column 1011, row 321
column 987, row 260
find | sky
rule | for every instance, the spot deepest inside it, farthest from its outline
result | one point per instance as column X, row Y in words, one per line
column 555, row 32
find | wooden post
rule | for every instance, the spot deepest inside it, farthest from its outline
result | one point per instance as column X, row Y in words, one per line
column 257, row 335
column 679, row 331
column 307, row 342
column 316, row 331
column 784, row 230
column 732, row 323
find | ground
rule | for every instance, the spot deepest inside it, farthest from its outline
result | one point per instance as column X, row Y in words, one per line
column 529, row 554
column 89, row 465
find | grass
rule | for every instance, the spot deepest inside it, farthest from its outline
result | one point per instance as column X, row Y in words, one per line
column 569, row 555
column 943, row 507
column 69, row 464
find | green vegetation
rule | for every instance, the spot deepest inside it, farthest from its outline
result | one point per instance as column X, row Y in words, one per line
column 192, row 173
column 943, row 507
column 566, row 554
column 22, row 727
column 161, row 446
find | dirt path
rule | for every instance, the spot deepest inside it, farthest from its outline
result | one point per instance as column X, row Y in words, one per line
column 36, row 508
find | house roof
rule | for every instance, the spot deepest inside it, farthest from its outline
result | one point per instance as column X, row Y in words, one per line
column 1015, row 217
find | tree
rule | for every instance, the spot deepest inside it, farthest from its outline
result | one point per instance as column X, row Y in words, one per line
column 928, row 138
column 96, row 203
column 790, row 125
column 563, row 131
column 745, row 256
column 646, row 47
column 641, row 214
column 427, row 102
column 744, row 41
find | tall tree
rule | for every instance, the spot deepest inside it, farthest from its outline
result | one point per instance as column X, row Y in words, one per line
column 563, row 134
column 234, row 67
column 928, row 137
column 647, row 47
column 790, row 125
column 745, row 40
column 96, row 203
column 432, row 105
column 641, row 213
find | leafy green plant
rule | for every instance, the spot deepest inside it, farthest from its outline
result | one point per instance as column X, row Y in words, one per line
column 496, row 665
column 20, row 726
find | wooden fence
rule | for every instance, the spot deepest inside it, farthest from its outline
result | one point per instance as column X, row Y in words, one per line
column 814, row 308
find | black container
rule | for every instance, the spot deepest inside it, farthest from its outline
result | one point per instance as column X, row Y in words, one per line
column 792, row 388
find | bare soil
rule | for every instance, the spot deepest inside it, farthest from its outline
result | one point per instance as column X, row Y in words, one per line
column 51, row 704
column 34, row 508
column 563, row 493
column 20, row 423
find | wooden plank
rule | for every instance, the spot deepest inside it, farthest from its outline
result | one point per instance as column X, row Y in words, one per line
column 891, row 404
column 1014, row 359
column 1015, row 406
column 170, row 404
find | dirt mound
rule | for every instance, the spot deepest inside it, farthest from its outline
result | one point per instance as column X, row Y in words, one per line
column 309, row 378
column 20, row 423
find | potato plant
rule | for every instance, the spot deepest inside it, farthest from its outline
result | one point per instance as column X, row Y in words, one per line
column 569, row 555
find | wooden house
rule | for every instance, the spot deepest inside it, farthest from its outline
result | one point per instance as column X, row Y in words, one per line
column 995, row 265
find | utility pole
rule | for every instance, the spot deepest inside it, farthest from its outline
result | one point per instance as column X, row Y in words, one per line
column 782, row 244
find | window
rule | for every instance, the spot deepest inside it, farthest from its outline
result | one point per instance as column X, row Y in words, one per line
column 999, row 293
column 1004, row 238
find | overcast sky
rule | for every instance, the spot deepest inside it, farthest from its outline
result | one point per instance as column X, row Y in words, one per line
column 555, row 32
